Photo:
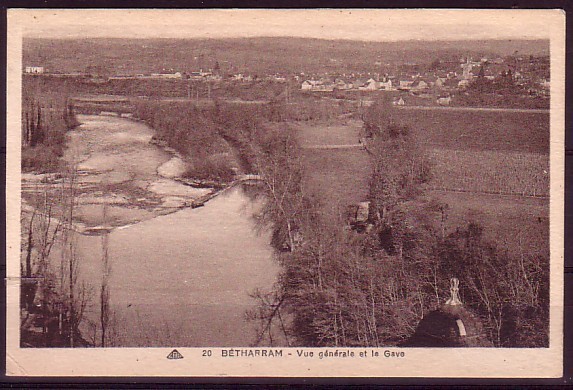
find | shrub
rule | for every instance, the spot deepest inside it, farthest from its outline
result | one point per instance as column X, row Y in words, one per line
column 41, row 159
column 216, row 167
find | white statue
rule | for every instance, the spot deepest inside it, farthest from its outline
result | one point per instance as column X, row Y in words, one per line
column 454, row 290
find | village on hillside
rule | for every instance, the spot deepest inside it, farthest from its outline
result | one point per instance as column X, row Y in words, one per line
column 413, row 84
column 442, row 79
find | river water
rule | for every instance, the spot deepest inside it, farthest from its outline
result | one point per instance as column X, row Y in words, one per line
column 180, row 276
column 184, row 279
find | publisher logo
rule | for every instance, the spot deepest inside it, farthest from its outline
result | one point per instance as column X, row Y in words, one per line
column 174, row 355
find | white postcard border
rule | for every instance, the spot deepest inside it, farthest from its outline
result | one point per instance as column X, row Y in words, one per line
column 417, row 362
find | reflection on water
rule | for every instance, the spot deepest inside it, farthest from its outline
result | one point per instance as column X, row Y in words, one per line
column 184, row 279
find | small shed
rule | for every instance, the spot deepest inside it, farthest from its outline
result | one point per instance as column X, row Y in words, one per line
column 362, row 212
column 358, row 217
column 444, row 101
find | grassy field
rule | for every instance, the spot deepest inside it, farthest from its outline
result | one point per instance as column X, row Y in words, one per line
column 328, row 134
column 515, row 223
column 337, row 177
column 500, row 172
column 507, row 131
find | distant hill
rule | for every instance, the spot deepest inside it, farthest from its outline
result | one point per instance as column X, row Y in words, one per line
column 257, row 55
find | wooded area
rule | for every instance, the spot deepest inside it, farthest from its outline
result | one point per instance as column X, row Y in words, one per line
column 343, row 288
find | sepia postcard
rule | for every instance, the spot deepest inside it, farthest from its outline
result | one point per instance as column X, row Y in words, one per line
column 285, row 193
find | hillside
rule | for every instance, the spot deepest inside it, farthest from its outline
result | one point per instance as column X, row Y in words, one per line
column 257, row 55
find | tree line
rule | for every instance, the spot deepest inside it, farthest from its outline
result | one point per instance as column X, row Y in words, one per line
column 46, row 117
column 218, row 136
column 54, row 295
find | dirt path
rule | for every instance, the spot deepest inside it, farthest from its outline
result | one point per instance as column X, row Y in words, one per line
column 475, row 109
column 347, row 146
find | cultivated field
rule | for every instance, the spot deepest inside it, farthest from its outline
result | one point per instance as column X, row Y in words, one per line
column 495, row 172
column 344, row 133
column 508, row 131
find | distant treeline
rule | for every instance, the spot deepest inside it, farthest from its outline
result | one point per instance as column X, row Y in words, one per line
column 158, row 88
column 500, row 92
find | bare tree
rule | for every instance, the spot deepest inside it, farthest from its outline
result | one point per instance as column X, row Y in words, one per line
column 269, row 316
column 104, row 287
column 279, row 165
column 74, row 295
column 63, row 299
column 42, row 233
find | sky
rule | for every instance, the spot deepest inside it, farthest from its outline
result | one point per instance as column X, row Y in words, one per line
column 355, row 24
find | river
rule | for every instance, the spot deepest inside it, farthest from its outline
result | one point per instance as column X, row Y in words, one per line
column 179, row 276
column 184, row 279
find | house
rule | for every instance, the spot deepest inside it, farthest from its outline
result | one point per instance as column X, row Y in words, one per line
column 356, row 84
column 176, row 75
column 372, row 85
column 325, row 87
column 215, row 77
column 399, row 102
column 439, row 83
column 341, row 84
column 463, row 83
column 362, row 212
column 419, row 85
column 358, row 217
column 317, row 85
column 386, row 85
column 444, row 101
column 405, row 84
column 34, row 69
column 307, row 85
